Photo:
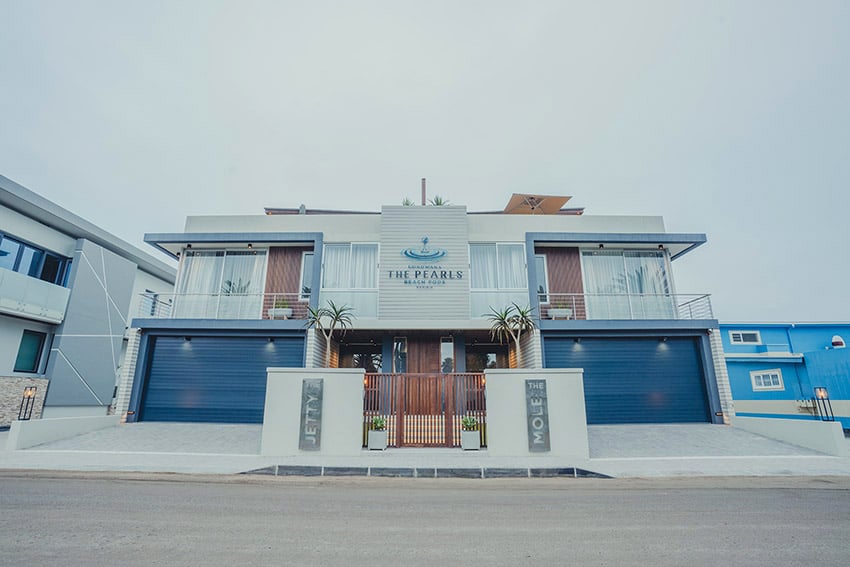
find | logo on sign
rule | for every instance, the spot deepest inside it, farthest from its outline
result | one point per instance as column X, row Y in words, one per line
column 423, row 254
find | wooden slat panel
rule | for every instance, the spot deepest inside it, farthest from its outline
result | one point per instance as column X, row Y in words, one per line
column 284, row 270
column 564, row 267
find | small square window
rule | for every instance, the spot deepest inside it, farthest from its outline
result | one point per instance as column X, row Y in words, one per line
column 745, row 337
column 29, row 353
column 767, row 380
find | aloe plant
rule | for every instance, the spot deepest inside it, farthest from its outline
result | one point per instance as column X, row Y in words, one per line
column 469, row 423
column 328, row 319
column 509, row 323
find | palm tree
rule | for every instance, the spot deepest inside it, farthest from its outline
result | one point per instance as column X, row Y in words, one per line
column 326, row 320
column 509, row 323
column 438, row 201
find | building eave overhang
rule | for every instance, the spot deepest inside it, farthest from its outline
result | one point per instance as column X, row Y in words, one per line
column 678, row 244
column 173, row 242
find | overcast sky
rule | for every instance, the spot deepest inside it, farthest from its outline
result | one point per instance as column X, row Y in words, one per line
column 727, row 118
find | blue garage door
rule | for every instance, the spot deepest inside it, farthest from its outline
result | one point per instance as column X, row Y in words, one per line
column 214, row 379
column 636, row 380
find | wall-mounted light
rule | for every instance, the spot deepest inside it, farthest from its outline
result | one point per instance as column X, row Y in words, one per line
column 577, row 340
column 27, row 402
column 663, row 339
column 178, row 254
column 601, row 246
column 187, row 339
column 661, row 247
column 822, row 404
column 271, row 339
column 189, row 246
column 838, row 341
column 250, row 246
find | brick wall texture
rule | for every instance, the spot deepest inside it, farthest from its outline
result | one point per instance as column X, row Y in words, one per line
column 11, row 391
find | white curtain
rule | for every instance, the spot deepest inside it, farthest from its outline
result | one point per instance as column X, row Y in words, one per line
column 199, row 284
column 350, row 277
column 336, row 269
column 242, row 284
column 630, row 284
column 647, row 278
column 498, row 277
column 483, row 266
column 364, row 266
column 605, row 285
column 512, row 273
column 220, row 284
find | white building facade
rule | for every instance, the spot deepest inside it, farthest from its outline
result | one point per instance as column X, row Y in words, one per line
column 422, row 284
column 66, row 291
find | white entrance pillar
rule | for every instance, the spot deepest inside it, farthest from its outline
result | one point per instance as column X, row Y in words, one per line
column 515, row 423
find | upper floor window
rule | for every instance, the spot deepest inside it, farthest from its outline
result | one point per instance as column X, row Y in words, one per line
column 350, row 277
column 626, row 284
column 767, row 379
column 223, row 284
column 306, row 287
column 497, row 266
column 498, row 277
column 32, row 261
column 350, row 266
column 542, row 278
column 745, row 337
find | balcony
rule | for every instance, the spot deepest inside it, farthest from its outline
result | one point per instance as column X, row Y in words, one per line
column 252, row 306
column 31, row 298
column 613, row 306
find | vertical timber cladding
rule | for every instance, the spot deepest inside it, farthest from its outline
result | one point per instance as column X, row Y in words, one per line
column 424, row 270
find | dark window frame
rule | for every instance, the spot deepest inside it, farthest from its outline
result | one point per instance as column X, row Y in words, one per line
column 36, row 365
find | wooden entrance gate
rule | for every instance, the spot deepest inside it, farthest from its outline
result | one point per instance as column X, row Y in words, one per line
column 424, row 410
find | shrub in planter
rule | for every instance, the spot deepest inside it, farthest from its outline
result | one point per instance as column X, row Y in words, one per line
column 470, row 437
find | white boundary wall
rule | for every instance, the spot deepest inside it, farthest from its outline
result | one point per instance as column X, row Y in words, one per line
column 507, row 422
column 824, row 436
column 342, row 411
column 24, row 434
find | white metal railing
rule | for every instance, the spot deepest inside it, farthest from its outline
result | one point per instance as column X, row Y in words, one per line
column 636, row 306
column 223, row 306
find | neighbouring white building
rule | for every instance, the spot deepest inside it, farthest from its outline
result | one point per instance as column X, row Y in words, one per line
column 67, row 288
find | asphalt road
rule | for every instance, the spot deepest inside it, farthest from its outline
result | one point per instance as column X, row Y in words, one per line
column 80, row 519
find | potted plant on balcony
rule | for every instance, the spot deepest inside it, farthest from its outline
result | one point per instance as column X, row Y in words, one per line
column 281, row 309
column 470, row 436
column 560, row 311
column 377, row 435
column 509, row 323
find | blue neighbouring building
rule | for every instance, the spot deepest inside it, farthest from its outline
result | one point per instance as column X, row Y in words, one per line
column 774, row 368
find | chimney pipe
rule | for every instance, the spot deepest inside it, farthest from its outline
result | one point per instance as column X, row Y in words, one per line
column 423, row 191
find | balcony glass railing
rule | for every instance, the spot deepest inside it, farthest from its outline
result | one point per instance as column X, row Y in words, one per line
column 595, row 306
column 32, row 298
